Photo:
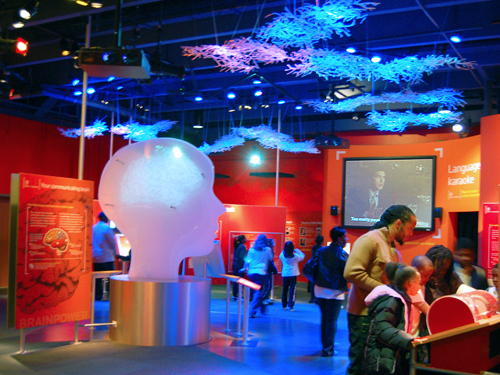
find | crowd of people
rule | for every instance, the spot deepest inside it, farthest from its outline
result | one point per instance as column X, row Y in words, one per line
column 387, row 300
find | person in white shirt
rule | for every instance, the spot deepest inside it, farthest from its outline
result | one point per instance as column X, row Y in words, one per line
column 257, row 262
column 290, row 259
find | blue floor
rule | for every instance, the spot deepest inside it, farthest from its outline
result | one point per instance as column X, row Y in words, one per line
column 281, row 342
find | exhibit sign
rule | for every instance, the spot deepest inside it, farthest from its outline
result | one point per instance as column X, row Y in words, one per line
column 490, row 236
column 50, row 262
column 251, row 221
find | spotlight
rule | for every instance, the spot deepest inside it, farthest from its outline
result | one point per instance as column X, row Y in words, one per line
column 28, row 10
column 350, row 49
column 231, row 95
column 198, row 98
column 18, row 24
column 376, row 59
column 458, row 128
column 281, row 101
column 90, row 90
column 119, row 87
column 257, row 93
column 75, row 82
column 298, row 107
column 111, row 78
column 255, row 160
column 256, row 81
column 65, row 47
column 198, row 126
column 455, row 39
column 77, row 93
column 21, row 46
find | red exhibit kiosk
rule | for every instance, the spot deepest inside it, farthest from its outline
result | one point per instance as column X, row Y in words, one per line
column 466, row 341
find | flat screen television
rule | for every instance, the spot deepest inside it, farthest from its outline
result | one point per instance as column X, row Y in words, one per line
column 373, row 184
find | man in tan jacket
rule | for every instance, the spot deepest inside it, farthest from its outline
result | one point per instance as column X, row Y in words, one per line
column 365, row 270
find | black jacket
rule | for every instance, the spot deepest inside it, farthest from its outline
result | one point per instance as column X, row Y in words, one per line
column 330, row 262
column 387, row 345
column 240, row 254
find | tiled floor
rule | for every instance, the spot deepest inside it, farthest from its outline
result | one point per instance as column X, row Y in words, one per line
column 282, row 342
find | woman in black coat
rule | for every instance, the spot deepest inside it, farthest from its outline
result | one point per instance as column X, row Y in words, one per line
column 240, row 253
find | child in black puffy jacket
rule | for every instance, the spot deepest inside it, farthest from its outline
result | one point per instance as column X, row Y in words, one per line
column 390, row 307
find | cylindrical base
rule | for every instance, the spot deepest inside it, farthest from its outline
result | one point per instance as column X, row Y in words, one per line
column 160, row 313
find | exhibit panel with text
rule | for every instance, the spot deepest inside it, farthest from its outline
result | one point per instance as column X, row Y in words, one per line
column 50, row 250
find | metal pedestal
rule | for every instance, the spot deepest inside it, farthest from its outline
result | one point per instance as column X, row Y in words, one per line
column 160, row 313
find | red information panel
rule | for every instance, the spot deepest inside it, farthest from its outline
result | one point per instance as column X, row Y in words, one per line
column 52, row 260
column 251, row 221
column 490, row 235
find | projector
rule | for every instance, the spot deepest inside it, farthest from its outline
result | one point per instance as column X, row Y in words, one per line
column 117, row 62
column 331, row 141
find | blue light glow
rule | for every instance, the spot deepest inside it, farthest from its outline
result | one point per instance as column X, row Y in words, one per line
column 281, row 101
column 376, row 59
column 119, row 87
column 399, row 121
column 350, row 50
column 447, row 98
column 231, row 95
column 105, row 56
column 257, row 93
column 298, row 107
column 256, row 81
column 455, row 39
column 77, row 93
column 198, row 98
column 265, row 135
column 310, row 24
column 111, row 78
column 75, row 82
column 90, row 90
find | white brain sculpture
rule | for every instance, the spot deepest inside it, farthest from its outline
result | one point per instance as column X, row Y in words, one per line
column 159, row 193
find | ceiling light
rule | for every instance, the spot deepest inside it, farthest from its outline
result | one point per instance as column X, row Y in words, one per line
column 96, row 5
column 281, row 101
column 77, row 93
column 82, row 3
column 256, row 81
column 298, row 107
column 90, row 90
column 458, row 128
column 65, row 47
column 18, row 24
column 21, row 46
column 198, row 126
column 231, row 95
column 376, row 59
column 75, row 82
column 198, row 98
column 455, row 39
column 28, row 10
column 111, row 78
column 257, row 92
column 350, row 49
column 255, row 160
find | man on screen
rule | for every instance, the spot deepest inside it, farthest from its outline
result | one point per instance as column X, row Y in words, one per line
column 371, row 200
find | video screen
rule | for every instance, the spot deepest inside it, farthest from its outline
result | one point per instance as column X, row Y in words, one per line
column 373, row 184
column 123, row 245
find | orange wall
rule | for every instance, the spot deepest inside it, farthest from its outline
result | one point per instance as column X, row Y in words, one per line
column 490, row 169
column 448, row 153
